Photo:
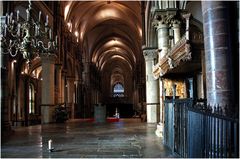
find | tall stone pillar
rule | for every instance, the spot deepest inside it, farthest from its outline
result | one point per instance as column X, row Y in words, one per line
column 59, row 83
column 78, row 98
column 176, row 31
column 163, row 45
column 1, row 8
column 217, row 52
column 152, row 93
column 187, row 18
column 64, row 87
column 200, row 90
column 160, row 125
column 143, row 22
column 163, row 38
column 4, row 93
column 48, row 92
column 70, row 93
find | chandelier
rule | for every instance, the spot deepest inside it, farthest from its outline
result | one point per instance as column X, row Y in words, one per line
column 27, row 37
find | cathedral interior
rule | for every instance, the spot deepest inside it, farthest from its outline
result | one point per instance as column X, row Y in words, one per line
column 119, row 79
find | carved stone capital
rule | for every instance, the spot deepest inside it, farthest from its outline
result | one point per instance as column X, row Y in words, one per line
column 150, row 53
column 165, row 20
column 160, row 24
column 161, row 21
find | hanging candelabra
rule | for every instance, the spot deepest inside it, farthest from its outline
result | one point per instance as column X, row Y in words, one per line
column 27, row 37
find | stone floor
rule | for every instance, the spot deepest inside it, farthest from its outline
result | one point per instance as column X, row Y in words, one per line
column 128, row 138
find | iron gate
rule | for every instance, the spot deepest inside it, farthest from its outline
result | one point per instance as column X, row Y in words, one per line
column 175, row 131
column 180, row 128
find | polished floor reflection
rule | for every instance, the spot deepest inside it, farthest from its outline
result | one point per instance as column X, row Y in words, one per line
column 78, row 139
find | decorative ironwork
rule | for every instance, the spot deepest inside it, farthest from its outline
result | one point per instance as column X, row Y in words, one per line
column 27, row 37
column 201, row 130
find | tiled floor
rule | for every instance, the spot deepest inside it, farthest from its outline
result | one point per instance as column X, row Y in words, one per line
column 124, row 139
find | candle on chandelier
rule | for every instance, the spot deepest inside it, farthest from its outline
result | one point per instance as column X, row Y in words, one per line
column 50, row 144
column 27, row 14
column 18, row 31
column 10, row 19
column 17, row 15
column 39, row 17
column 46, row 19
column 5, row 30
column 50, row 34
column 56, row 39
column 36, row 30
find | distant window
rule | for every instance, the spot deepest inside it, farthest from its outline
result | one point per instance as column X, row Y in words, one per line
column 118, row 90
column 31, row 99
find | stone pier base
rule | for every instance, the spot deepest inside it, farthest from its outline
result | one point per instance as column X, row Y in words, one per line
column 159, row 130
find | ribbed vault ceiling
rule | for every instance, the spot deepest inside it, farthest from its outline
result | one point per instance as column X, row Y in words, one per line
column 111, row 29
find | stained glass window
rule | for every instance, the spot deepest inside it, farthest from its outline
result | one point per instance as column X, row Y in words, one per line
column 118, row 90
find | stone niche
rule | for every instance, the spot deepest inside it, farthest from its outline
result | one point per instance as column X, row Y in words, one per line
column 180, row 88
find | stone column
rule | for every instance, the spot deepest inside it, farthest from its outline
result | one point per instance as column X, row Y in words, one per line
column 163, row 38
column 48, row 103
column 171, row 38
column 1, row 8
column 64, row 88
column 78, row 99
column 187, row 17
column 160, row 125
column 217, row 53
column 200, row 90
column 70, row 93
column 143, row 23
column 163, row 45
column 176, row 31
column 59, row 82
column 152, row 94
column 4, row 93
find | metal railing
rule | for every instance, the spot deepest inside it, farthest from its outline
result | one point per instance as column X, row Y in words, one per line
column 211, row 134
column 193, row 130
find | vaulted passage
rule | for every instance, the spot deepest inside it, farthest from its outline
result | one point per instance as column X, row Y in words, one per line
column 111, row 36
